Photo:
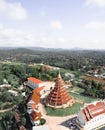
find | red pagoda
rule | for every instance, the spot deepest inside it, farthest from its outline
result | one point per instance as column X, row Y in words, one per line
column 59, row 97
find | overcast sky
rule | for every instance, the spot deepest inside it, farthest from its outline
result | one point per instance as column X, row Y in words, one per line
column 53, row 23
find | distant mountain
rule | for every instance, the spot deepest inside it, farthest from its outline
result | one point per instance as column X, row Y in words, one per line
column 48, row 49
column 7, row 48
column 77, row 49
column 32, row 48
column 44, row 49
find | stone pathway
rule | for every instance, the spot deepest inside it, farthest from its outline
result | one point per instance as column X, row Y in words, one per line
column 54, row 122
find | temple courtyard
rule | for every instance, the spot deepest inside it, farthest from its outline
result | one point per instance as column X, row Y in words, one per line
column 58, row 105
column 55, row 122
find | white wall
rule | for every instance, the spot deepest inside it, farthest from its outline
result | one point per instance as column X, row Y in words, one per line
column 32, row 84
column 95, row 122
column 81, row 118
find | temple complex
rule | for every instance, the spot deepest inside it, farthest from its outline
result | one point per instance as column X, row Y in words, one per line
column 59, row 97
column 34, row 99
column 92, row 116
column 34, row 83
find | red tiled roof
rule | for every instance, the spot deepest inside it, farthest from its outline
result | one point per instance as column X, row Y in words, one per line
column 35, row 97
column 35, row 80
column 93, row 110
column 36, row 115
column 40, row 89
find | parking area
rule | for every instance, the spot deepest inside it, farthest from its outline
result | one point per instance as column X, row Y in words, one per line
column 72, row 124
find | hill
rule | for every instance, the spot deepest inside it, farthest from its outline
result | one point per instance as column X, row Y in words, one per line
column 68, row 59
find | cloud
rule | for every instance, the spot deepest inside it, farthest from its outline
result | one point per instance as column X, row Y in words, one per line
column 2, row 5
column 53, row 39
column 96, row 25
column 17, row 12
column 43, row 13
column 13, row 11
column 61, row 40
column 99, row 3
column 56, row 25
column 52, row 42
column 13, row 37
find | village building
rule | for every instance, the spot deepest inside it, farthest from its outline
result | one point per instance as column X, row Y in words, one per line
column 102, row 68
column 34, row 99
column 49, row 68
column 14, row 93
column 92, row 116
column 59, row 97
column 35, row 117
column 32, row 106
column 34, row 83
column 5, row 86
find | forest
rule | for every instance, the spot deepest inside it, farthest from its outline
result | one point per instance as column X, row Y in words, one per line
column 67, row 59
column 15, row 68
column 79, row 62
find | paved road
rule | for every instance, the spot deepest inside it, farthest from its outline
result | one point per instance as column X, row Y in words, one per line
column 55, row 123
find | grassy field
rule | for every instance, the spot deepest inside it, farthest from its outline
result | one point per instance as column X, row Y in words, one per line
column 102, row 128
column 64, row 112
column 82, row 98
column 78, row 90
column 74, row 109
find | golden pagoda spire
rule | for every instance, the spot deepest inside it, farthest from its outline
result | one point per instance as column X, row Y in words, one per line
column 59, row 75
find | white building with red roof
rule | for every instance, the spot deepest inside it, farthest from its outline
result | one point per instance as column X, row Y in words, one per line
column 34, row 83
column 33, row 104
column 92, row 116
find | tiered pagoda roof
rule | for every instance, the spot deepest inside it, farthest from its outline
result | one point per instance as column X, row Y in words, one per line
column 59, row 97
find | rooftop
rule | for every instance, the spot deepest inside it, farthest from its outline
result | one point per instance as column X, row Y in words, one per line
column 35, row 80
column 35, row 97
column 94, row 109
column 35, row 115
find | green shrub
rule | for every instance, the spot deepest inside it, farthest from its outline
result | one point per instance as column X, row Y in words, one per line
column 42, row 121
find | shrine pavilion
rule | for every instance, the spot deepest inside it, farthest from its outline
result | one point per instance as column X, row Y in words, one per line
column 92, row 116
column 59, row 97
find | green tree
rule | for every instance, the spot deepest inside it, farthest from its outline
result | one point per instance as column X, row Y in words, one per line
column 42, row 121
column 23, row 120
